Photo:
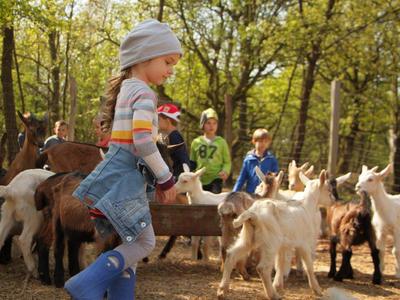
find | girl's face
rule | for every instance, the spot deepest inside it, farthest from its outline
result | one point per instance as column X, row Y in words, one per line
column 160, row 68
column 210, row 126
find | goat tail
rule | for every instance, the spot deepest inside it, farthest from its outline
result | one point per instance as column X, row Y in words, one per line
column 41, row 160
column 335, row 293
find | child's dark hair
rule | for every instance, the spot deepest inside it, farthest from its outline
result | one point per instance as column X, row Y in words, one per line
column 173, row 122
column 112, row 91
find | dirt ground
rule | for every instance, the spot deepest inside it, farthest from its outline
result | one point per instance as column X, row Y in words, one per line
column 178, row 277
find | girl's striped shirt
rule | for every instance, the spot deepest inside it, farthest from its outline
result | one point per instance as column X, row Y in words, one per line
column 135, row 126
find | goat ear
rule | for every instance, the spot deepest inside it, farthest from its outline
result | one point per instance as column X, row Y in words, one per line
column 186, row 168
column 23, row 119
column 279, row 178
column 364, row 169
column 374, row 169
column 292, row 164
column 200, row 172
column 304, row 179
column 386, row 171
column 260, row 174
column 304, row 166
column 322, row 178
column 340, row 180
column 310, row 172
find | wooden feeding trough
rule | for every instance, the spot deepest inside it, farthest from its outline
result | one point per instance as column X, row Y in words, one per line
column 189, row 220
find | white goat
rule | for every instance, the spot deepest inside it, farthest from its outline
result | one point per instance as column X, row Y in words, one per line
column 189, row 182
column 295, row 183
column 19, row 206
column 386, row 218
column 274, row 228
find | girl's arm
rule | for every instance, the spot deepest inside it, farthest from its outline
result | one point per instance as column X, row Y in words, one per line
column 142, row 127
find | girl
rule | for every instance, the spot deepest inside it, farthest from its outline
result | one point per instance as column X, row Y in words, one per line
column 116, row 190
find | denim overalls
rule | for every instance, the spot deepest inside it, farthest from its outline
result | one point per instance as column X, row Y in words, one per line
column 117, row 187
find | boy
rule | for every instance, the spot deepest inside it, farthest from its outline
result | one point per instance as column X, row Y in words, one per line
column 260, row 156
column 61, row 132
column 168, row 118
column 211, row 151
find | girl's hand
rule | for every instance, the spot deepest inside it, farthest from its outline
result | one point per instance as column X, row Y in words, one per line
column 166, row 197
column 223, row 175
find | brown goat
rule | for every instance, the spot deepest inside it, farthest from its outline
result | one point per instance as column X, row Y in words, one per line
column 350, row 225
column 35, row 131
column 65, row 217
column 70, row 157
column 235, row 204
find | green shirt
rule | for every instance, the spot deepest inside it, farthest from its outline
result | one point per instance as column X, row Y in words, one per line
column 214, row 156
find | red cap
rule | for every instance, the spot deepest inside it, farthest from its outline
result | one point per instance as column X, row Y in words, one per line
column 170, row 111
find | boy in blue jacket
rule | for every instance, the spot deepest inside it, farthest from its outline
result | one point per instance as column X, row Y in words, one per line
column 260, row 156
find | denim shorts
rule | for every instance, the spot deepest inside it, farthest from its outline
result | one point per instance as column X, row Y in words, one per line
column 118, row 187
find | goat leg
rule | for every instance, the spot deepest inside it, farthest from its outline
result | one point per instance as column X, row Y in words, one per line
column 5, row 252
column 73, row 256
column 167, row 248
column 332, row 251
column 345, row 271
column 43, row 262
column 59, row 255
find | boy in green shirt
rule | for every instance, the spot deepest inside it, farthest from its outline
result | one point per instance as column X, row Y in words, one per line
column 211, row 151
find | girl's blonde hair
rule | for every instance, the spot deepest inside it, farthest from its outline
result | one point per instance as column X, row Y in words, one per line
column 112, row 91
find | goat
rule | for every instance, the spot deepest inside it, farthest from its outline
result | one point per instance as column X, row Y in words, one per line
column 35, row 131
column 350, row 224
column 386, row 207
column 189, row 182
column 275, row 227
column 235, row 204
column 66, row 218
column 19, row 207
column 295, row 183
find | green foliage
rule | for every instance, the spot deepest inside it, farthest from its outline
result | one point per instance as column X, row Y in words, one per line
column 252, row 50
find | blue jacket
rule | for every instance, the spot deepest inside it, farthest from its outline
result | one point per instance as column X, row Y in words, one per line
column 267, row 163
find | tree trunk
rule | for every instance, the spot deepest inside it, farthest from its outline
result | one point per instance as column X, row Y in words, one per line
column 306, row 89
column 55, row 78
column 396, row 154
column 8, row 93
column 72, row 114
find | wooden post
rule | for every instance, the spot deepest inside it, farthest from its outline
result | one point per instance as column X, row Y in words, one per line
column 228, row 121
column 334, row 130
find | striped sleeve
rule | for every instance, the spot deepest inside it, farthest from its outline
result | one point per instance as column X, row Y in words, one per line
column 144, row 111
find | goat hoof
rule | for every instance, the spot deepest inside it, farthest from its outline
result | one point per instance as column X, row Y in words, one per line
column 331, row 274
column 338, row 278
column 59, row 282
column 221, row 294
column 162, row 256
column 246, row 277
column 377, row 280
column 145, row 260
column 5, row 261
column 45, row 280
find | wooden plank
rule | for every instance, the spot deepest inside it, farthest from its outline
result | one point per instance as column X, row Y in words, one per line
column 189, row 220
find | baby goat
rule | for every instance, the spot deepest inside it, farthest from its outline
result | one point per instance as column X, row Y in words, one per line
column 386, row 218
column 275, row 227
column 350, row 224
